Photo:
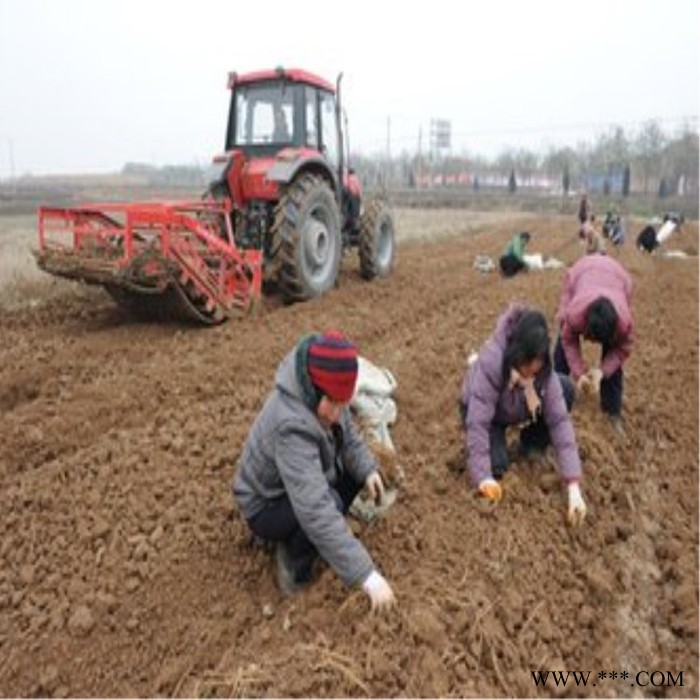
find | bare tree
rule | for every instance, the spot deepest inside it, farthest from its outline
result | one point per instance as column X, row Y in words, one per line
column 646, row 158
column 680, row 164
column 648, row 147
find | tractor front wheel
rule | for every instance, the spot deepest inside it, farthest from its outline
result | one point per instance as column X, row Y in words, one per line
column 376, row 244
column 306, row 243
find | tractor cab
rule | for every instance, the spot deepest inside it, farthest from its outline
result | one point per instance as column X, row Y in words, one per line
column 273, row 110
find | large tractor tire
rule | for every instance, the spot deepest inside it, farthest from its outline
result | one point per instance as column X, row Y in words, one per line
column 376, row 246
column 306, row 242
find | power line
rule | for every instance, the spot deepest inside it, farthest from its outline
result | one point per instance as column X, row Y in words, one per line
column 691, row 120
column 578, row 126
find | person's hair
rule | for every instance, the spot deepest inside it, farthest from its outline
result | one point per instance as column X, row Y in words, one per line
column 525, row 237
column 601, row 321
column 529, row 341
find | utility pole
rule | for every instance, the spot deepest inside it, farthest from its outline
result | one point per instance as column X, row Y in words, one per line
column 12, row 165
column 420, row 157
column 387, row 173
column 388, row 138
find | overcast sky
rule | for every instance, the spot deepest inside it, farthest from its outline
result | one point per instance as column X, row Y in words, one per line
column 87, row 85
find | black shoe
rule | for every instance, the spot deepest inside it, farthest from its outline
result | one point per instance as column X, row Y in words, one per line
column 291, row 576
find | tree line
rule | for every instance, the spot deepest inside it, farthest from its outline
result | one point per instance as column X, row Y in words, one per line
column 649, row 162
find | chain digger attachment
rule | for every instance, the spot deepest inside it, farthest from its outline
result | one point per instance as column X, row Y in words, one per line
column 163, row 259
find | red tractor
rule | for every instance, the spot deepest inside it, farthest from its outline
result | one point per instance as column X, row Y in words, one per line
column 282, row 207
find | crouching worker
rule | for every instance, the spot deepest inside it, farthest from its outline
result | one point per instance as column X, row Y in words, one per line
column 512, row 383
column 513, row 259
column 613, row 229
column 302, row 465
column 595, row 305
column 592, row 238
column 649, row 239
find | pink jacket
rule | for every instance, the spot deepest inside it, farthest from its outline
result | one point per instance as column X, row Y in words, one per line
column 591, row 277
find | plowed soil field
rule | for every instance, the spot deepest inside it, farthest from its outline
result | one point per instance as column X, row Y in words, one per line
column 125, row 569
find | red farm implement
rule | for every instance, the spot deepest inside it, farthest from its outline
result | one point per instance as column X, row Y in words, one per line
column 160, row 258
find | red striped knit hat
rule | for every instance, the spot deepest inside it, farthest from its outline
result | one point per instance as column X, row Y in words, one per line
column 332, row 366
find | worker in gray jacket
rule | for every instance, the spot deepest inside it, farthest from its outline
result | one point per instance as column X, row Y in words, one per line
column 303, row 464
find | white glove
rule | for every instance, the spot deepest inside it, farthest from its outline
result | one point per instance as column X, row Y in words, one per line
column 577, row 508
column 379, row 592
column 375, row 487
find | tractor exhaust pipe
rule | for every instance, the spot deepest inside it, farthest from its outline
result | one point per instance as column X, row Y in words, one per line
column 339, row 127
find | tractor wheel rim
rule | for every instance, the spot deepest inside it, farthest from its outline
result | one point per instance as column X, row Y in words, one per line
column 384, row 245
column 317, row 245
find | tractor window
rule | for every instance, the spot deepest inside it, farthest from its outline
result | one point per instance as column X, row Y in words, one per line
column 264, row 114
column 311, row 118
column 329, row 131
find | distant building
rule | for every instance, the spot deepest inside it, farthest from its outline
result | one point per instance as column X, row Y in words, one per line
column 610, row 183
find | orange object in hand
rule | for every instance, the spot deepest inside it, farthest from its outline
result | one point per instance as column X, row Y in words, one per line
column 491, row 490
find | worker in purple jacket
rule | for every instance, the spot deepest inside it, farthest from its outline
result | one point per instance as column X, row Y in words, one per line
column 512, row 382
column 595, row 305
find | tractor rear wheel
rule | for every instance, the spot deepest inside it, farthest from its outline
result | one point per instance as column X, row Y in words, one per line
column 306, row 242
column 376, row 244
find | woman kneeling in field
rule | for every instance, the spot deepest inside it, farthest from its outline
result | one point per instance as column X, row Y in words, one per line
column 512, row 383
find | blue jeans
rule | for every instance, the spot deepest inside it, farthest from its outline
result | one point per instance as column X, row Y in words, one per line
column 610, row 387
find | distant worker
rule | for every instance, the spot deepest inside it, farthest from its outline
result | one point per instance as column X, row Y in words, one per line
column 592, row 238
column 649, row 239
column 303, row 464
column 585, row 211
column 595, row 305
column 512, row 383
column 512, row 261
column 613, row 228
